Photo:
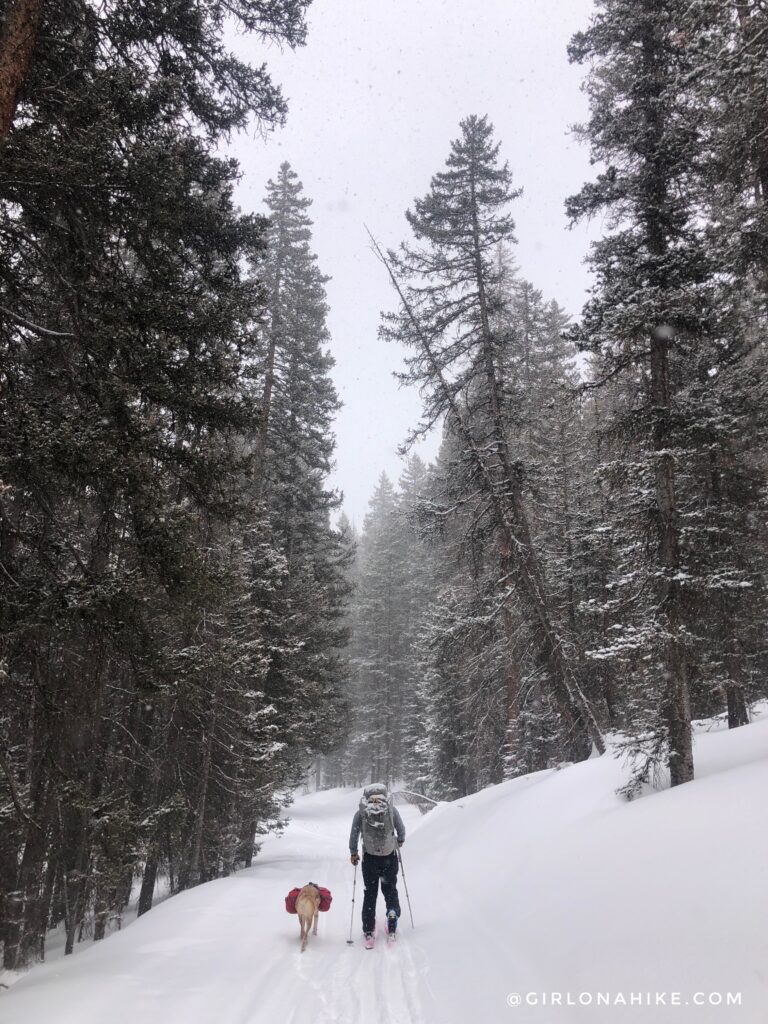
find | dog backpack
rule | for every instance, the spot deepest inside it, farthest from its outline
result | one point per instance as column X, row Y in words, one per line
column 325, row 898
column 290, row 900
column 376, row 820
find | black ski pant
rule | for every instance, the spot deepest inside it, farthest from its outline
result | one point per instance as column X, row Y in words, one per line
column 375, row 868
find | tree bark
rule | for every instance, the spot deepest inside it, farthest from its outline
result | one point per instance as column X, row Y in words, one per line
column 736, row 701
column 17, row 43
column 194, row 869
column 247, row 835
column 737, row 706
column 22, row 906
column 147, row 893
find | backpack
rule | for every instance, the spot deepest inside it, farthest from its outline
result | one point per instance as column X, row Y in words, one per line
column 376, row 823
column 325, row 898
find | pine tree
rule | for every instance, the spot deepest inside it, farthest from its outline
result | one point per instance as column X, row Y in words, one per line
column 450, row 290
column 730, row 177
column 380, row 664
column 136, row 726
column 664, row 327
column 296, row 452
column 414, row 488
column 646, row 271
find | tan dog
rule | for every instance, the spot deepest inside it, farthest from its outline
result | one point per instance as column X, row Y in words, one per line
column 308, row 909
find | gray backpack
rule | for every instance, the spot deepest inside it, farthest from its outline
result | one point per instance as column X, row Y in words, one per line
column 376, row 820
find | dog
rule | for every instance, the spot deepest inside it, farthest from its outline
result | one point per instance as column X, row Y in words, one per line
column 308, row 909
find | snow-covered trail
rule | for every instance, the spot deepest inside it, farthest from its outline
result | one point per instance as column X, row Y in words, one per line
column 227, row 952
column 547, row 885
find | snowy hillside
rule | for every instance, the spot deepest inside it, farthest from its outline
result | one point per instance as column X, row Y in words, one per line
column 546, row 884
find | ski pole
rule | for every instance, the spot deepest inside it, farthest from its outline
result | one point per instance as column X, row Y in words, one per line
column 352, row 913
column 405, row 885
column 402, row 868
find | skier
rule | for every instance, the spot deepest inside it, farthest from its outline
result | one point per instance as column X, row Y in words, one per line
column 383, row 834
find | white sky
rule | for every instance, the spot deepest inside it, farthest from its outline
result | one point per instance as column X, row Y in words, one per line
column 375, row 98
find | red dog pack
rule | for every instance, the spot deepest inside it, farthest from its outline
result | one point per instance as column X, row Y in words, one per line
column 325, row 898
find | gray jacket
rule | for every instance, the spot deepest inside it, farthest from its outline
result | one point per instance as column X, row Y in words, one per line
column 374, row 841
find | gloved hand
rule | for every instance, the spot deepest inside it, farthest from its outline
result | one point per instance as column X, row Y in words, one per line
column 354, row 858
column 400, row 843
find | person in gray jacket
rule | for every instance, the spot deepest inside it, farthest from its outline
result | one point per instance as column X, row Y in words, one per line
column 383, row 834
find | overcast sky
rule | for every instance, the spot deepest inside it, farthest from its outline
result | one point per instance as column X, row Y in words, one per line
column 375, row 98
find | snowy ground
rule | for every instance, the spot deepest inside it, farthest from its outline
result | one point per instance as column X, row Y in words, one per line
column 545, row 885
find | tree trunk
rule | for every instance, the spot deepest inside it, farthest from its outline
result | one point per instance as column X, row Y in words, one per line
column 676, row 703
column 194, row 868
column 513, row 737
column 100, row 917
column 148, row 880
column 737, row 706
column 17, row 43
column 77, row 885
column 269, row 378
column 51, row 872
column 246, row 841
column 736, row 701
column 22, row 906
column 753, row 26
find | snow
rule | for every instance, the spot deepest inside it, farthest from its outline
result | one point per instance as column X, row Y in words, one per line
column 550, row 883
